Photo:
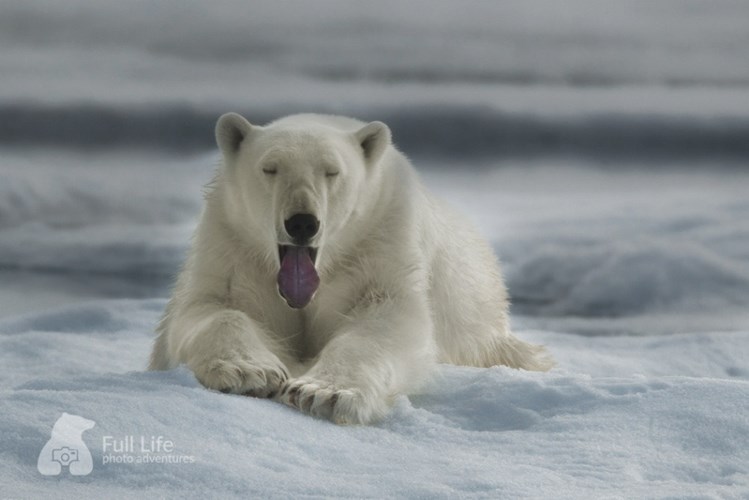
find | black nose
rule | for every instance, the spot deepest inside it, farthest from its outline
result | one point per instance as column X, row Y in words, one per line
column 302, row 227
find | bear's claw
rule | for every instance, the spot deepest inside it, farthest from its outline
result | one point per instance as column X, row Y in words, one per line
column 240, row 376
column 316, row 398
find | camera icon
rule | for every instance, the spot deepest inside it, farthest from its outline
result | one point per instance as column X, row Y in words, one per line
column 64, row 456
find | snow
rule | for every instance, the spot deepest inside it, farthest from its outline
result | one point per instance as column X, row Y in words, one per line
column 603, row 155
column 620, row 417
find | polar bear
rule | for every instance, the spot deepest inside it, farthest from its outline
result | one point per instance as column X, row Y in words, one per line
column 324, row 275
column 66, row 447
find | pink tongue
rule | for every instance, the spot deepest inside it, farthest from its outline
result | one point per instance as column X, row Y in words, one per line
column 297, row 279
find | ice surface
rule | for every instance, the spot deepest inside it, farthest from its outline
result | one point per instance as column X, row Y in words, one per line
column 620, row 417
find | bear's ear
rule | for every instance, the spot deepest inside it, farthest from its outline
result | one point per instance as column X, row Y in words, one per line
column 374, row 138
column 231, row 130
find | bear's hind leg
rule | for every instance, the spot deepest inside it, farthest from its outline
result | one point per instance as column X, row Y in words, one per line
column 510, row 351
column 483, row 346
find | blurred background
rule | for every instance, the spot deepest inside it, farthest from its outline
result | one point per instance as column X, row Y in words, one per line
column 601, row 146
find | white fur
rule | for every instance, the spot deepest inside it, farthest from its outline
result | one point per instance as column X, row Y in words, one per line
column 405, row 282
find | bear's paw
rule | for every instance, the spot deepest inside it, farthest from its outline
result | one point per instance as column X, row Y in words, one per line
column 242, row 375
column 344, row 406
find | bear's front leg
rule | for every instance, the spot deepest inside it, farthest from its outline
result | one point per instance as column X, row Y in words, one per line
column 384, row 350
column 226, row 352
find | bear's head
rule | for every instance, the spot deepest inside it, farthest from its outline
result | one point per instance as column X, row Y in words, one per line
column 292, row 186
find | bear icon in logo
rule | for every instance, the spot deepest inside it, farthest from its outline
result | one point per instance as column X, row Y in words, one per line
column 66, row 447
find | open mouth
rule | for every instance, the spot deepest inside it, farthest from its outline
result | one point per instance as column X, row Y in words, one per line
column 282, row 249
column 297, row 276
